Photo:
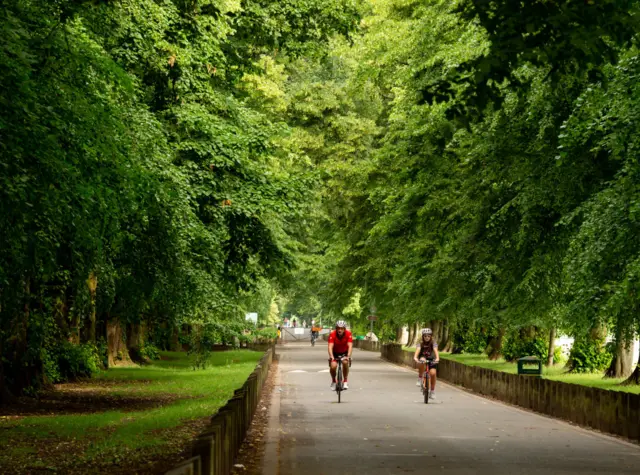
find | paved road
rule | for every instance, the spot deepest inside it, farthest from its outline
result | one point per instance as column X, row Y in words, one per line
column 382, row 426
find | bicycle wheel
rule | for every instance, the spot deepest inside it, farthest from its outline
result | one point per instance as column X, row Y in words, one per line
column 426, row 389
column 339, row 380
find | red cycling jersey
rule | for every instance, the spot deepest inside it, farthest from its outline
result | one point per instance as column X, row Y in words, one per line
column 340, row 345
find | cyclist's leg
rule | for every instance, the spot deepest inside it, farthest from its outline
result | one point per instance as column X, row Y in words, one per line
column 421, row 368
column 333, row 367
column 345, row 369
column 432, row 377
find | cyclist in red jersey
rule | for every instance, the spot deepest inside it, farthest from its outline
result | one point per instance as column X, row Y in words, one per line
column 340, row 344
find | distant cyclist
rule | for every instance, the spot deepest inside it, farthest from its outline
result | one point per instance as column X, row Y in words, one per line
column 340, row 345
column 315, row 330
column 427, row 349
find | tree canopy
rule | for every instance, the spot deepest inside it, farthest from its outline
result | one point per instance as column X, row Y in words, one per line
column 168, row 165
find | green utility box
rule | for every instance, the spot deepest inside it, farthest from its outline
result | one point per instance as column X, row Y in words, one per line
column 530, row 365
column 360, row 337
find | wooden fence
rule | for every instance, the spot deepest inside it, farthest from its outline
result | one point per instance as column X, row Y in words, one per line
column 216, row 448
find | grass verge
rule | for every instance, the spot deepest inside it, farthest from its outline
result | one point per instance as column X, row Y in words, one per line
column 164, row 406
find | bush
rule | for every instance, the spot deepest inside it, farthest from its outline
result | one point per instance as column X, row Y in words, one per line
column 50, row 367
column 516, row 347
column 589, row 356
column 558, row 357
column 69, row 362
column 268, row 333
column 469, row 339
column 150, row 352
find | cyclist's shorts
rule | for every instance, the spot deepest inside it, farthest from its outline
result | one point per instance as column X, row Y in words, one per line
column 338, row 355
column 432, row 364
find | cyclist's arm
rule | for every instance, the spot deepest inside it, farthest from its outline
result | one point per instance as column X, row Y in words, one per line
column 331, row 351
column 415, row 355
column 350, row 348
column 435, row 352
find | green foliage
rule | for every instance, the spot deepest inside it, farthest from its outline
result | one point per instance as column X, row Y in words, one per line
column 558, row 357
column 517, row 346
column 589, row 356
column 265, row 334
column 470, row 162
column 69, row 362
column 470, row 339
column 487, row 176
column 137, row 162
column 203, row 337
column 565, row 38
column 150, row 352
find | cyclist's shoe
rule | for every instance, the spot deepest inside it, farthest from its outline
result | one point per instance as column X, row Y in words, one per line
column 432, row 395
column 333, row 386
column 345, row 385
column 418, row 382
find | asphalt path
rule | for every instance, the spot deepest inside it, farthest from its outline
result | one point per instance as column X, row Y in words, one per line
column 382, row 426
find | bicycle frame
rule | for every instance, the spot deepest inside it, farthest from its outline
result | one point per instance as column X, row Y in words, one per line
column 339, row 378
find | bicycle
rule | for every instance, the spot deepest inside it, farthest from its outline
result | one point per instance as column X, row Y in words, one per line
column 425, row 387
column 339, row 378
column 313, row 339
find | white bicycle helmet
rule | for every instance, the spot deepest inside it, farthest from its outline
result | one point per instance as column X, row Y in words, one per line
column 341, row 324
column 427, row 331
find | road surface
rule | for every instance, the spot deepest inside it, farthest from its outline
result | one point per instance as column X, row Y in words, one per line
column 383, row 426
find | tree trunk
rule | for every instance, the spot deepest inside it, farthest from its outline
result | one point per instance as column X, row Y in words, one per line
column 5, row 395
column 417, row 336
column 22, row 374
column 411, row 334
column 622, row 363
column 118, row 354
column 175, row 338
column 446, row 342
column 444, row 333
column 135, row 340
column 494, row 349
column 436, row 327
column 552, row 346
column 92, row 284
column 635, row 376
column 74, row 330
column 61, row 313
column 399, row 333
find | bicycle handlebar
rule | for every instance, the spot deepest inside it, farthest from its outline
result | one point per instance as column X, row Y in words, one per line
column 425, row 360
column 340, row 358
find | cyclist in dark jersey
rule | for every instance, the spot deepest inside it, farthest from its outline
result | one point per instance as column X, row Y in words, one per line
column 340, row 344
column 427, row 348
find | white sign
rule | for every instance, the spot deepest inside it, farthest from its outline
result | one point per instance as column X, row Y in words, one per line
column 251, row 317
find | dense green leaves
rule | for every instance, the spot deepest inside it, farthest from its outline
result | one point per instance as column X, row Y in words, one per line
column 186, row 161
column 142, row 180
column 498, row 191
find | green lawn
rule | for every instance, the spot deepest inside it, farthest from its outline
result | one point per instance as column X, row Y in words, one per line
column 129, row 415
column 557, row 372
